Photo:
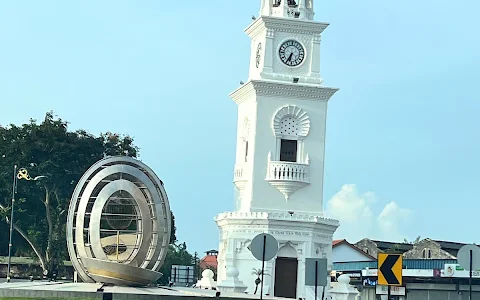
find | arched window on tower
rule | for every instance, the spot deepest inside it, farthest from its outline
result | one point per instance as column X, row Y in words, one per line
column 292, row 3
column 291, row 125
column 289, row 146
column 246, row 151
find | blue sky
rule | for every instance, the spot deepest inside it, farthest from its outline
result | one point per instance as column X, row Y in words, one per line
column 402, row 134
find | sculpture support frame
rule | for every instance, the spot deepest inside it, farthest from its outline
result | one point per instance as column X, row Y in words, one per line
column 119, row 181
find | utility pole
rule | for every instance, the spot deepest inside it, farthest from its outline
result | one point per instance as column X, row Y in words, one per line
column 14, row 191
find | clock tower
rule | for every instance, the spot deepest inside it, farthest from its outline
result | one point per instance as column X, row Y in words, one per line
column 279, row 168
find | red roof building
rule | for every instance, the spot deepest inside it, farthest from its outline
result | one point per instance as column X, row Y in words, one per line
column 209, row 261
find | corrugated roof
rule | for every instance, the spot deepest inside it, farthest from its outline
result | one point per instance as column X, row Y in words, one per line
column 414, row 264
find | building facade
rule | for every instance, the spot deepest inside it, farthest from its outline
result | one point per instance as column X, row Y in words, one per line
column 279, row 167
column 430, row 270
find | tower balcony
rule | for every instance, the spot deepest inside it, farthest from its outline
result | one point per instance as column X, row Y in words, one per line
column 239, row 176
column 288, row 177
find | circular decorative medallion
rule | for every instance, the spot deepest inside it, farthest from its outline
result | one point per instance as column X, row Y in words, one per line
column 291, row 53
column 118, row 226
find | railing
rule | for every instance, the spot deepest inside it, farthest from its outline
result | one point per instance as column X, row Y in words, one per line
column 288, row 171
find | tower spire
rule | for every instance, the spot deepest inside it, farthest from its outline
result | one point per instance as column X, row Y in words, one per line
column 299, row 9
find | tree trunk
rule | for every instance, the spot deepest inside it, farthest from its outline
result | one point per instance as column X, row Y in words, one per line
column 48, row 214
column 257, row 282
column 24, row 235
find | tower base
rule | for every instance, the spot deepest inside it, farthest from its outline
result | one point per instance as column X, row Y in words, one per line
column 299, row 237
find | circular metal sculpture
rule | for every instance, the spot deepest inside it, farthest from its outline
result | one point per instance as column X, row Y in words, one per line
column 118, row 226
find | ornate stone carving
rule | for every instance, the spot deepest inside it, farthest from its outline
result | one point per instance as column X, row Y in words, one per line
column 286, row 90
column 291, row 120
column 273, row 216
column 270, row 33
column 282, row 25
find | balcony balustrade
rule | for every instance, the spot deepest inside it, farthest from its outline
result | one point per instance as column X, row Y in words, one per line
column 288, row 177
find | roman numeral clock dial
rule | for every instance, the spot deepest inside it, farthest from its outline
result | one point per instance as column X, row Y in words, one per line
column 291, row 53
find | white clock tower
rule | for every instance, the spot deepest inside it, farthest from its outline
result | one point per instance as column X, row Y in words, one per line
column 279, row 169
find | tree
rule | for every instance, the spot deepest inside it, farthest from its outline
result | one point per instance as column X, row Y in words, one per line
column 413, row 242
column 395, row 249
column 62, row 156
column 177, row 254
column 173, row 228
column 258, row 273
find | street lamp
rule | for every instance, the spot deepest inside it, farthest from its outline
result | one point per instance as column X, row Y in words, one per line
column 17, row 175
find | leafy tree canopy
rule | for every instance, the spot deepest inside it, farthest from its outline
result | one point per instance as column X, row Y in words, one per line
column 177, row 254
column 49, row 149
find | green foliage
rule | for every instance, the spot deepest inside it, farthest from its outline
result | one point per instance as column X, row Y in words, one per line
column 418, row 239
column 49, row 149
column 177, row 254
column 258, row 272
column 173, row 233
column 395, row 249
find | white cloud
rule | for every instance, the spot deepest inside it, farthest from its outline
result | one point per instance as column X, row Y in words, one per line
column 356, row 213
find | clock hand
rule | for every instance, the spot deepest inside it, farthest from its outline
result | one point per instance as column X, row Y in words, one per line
column 290, row 57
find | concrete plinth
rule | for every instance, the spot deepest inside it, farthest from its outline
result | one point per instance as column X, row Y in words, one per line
column 342, row 290
column 232, row 284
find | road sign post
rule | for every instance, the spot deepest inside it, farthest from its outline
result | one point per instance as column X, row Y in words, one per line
column 469, row 258
column 390, row 269
column 264, row 247
column 316, row 280
column 316, row 274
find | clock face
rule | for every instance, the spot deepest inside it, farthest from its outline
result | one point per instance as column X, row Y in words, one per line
column 291, row 53
column 259, row 54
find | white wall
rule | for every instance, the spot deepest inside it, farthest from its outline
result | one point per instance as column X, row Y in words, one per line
column 345, row 253
column 266, row 197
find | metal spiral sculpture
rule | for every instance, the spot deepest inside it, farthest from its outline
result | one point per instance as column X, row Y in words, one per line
column 118, row 226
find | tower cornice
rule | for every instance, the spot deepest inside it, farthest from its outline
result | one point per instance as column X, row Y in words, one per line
column 281, row 89
column 285, row 219
column 290, row 25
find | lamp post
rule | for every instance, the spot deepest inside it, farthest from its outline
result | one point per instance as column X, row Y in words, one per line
column 14, row 190
column 20, row 174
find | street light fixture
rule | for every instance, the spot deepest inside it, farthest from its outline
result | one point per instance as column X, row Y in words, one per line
column 17, row 175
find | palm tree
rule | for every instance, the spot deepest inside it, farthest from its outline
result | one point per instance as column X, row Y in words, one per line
column 258, row 273
column 414, row 242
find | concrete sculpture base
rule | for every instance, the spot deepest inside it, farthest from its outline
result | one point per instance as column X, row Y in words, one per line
column 342, row 290
column 232, row 284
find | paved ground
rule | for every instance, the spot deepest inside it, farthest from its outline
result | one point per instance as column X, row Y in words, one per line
column 4, row 280
column 92, row 288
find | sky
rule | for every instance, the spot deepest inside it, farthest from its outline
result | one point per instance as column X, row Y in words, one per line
column 402, row 132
